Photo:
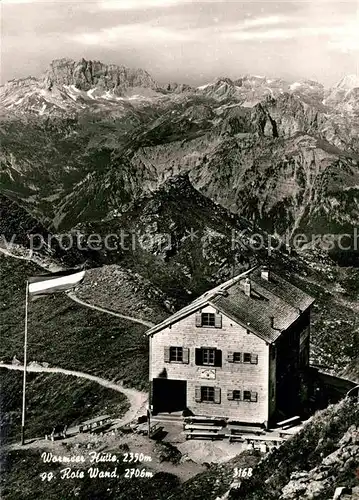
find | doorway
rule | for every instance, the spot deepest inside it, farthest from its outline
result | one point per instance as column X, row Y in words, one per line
column 169, row 395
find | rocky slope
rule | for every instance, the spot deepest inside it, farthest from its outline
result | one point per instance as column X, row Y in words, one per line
column 321, row 478
column 322, row 456
column 175, row 239
column 284, row 183
column 24, row 236
column 229, row 153
column 344, row 95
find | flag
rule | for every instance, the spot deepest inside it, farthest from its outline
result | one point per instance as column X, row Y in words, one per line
column 56, row 282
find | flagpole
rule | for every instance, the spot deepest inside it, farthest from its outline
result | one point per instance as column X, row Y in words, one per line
column 25, row 362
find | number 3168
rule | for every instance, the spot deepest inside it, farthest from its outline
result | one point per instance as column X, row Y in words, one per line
column 242, row 472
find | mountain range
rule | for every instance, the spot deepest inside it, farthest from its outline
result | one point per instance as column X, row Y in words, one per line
column 66, row 82
column 86, row 140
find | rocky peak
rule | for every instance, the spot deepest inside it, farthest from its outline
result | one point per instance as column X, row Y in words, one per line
column 21, row 82
column 220, row 88
column 179, row 183
column 223, row 79
column 343, row 97
column 349, row 82
column 178, row 88
column 312, row 83
column 254, row 79
column 89, row 74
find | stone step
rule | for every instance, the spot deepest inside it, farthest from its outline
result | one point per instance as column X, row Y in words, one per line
column 170, row 417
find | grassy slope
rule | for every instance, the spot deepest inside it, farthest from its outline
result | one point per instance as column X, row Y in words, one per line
column 67, row 335
column 53, row 399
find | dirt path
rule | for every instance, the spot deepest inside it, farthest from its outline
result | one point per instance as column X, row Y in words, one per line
column 136, row 398
column 52, row 267
column 73, row 297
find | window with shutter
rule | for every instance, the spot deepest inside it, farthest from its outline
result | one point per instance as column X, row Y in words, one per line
column 254, row 396
column 236, row 357
column 197, row 396
column 246, row 395
column 176, row 354
column 208, row 394
column 208, row 356
column 217, row 395
column 230, row 395
column 237, row 395
column 185, row 355
column 230, row 356
column 247, row 357
column 167, row 354
column 208, row 319
column 254, row 359
column 218, row 321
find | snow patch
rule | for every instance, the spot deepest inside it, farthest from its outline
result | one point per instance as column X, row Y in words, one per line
column 349, row 82
column 295, row 85
column 250, row 104
column 135, row 97
column 202, row 87
column 70, row 91
column 42, row 110
column 90, row 92
column 75, row 89
column 108, row 95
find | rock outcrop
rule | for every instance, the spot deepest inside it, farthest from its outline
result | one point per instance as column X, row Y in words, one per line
column 86, row 75
column 317, row 482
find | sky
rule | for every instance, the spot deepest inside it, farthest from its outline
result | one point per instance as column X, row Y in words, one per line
column 188, row 41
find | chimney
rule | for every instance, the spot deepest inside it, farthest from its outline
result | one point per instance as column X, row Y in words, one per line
column 247, row 287
column 271, row 321
column 265, row 273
